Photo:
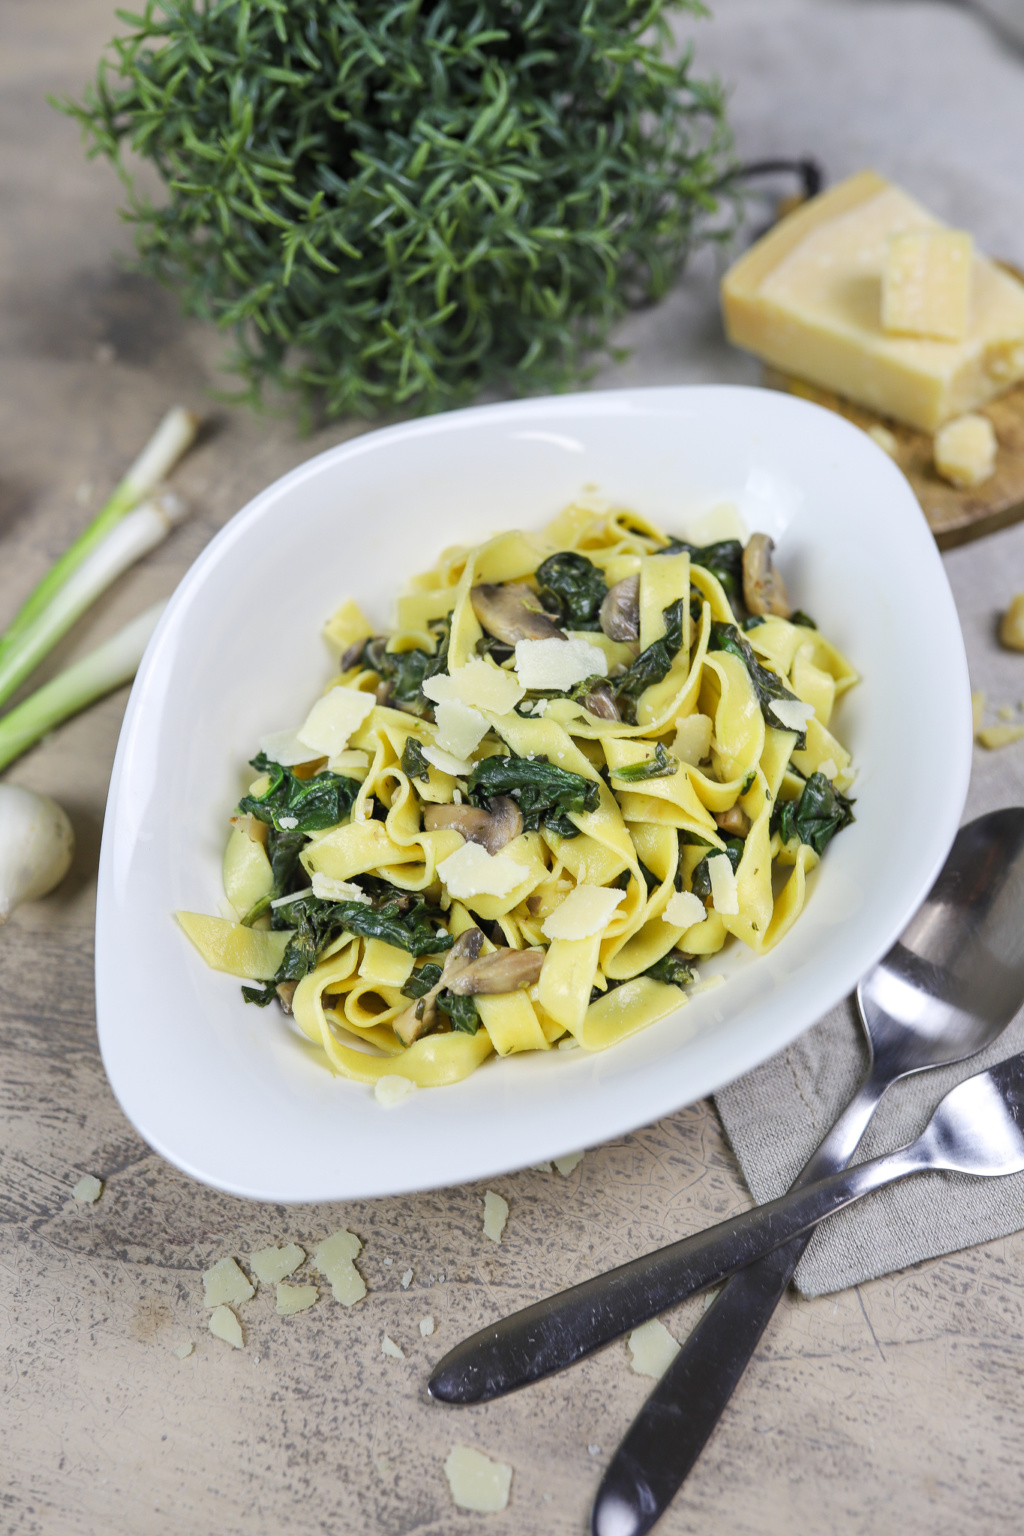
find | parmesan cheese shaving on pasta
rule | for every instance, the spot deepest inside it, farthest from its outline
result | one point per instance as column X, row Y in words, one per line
column 472, row 871
column 792, row 714
column 478, row 685
column 558, row 665
column 477, row 1482
column 724, row 892
column 286, row 748
column 460, row 729
column 684, row 909
column 326, row 889
column 585, row 911
column 458, row 767
column 333, row 718
column 693, row 739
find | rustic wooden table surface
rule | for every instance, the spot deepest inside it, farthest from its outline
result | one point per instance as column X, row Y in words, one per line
column 894, row 1407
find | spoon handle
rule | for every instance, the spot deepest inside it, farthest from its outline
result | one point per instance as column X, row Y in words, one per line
column 563, row 1328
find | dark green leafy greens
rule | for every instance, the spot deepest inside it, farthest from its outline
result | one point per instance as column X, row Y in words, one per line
column 543, row 791
column 572, row 588
column 767, row 684
column 413, row 761
column 421, row 981
column 462, row 1011
column 701, row 881
column 283, row 849
column 816, row 817
column 406, row 671
column 660, row 766
column 799, row 617
column 674, row 969
column 311, row 804
column 724, row 560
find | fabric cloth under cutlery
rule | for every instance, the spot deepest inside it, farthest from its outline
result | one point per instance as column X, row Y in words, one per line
column 777, row 1114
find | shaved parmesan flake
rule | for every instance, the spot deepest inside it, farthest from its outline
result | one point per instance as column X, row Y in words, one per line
column 460, row 729
column 724, row 893
column 183, row 1350
column 333, row 718
column 286, row 901
column 295, row 1298
column 478, row 685
column 334, row 1258
column 693, row 739
column 568, row 1163
column 407, row 1280
column 458, row 767
column 225, row 1282
column 285, row 747
column 792, row 714
column 87, row 1190
column 585, row 911
column 392, row 1089
column 472, row 871
column 652, row 1348
column 828, row 768
column 426, row 1326
column 225, row 1325
column 338, row 890
column 390, row 1350
column 495, row 1216
column 272, row 1264
column 477, row 1482
column 558, row 664
column 684, row 909
column 288, row 823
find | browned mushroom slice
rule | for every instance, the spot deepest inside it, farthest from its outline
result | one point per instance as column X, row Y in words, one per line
column 506, row 970
column 512, row 613
column 734, row 821
column 421, row 1016
column 493, row 829
column 599, row 702
column 620, row 611
column 764, row 591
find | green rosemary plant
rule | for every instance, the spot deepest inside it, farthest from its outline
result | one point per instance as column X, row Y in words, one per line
column 395, row 203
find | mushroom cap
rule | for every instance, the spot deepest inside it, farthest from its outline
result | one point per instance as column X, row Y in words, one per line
column 764, row 590
column 512, row 612
column 620, row 611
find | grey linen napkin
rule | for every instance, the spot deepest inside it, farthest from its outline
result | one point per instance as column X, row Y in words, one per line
column 777, row 1114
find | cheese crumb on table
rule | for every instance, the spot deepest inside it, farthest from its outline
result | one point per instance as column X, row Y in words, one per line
column 1011, row 632
column 88, row 1189
column 978, row 707
column 407, row 1280
column 225, row 1282
column 568, row 1163
column 965, row 451
column 994, row 736
column 495, row 1216
column 295, row 1298
column 392, row 1089
column 926, row 283
column 472, row 871
column 683, row 910
column 585, row 911
column 272, row 1264
column 724, row 891
column 334, row 1259
column 652, row 1349
column 183, row 1350
column 426, row 1326
column 390, row 1350
column 477, row 1482
column 1005, row 712
column 225, row 1325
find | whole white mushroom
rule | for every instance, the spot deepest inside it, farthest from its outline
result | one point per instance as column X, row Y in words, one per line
column 36, row 846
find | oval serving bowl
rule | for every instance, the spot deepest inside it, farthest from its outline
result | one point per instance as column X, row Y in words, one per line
column 231, row 1094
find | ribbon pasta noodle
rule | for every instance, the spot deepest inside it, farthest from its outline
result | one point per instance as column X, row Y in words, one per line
column 584, row 758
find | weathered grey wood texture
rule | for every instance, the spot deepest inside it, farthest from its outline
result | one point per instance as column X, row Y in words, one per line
column 893, row 1408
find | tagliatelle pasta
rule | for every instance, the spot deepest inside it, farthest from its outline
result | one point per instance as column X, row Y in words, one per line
column 584, row 759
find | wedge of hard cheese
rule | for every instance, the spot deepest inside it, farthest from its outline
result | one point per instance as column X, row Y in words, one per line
column 808, row 298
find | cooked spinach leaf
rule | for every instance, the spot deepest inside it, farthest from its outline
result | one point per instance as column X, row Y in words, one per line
column 724, row 560
column 261, row 995
column 816, row 817
column 283, row 849
column 542, row 790
column 291, row 804
column 652, row 665
column 799, row 617
column 572, row 588
column 673, row 969
column 421, row 981
column 701, row 877
column 660, row 766
column 462, row 1012
column 753, row 622
column 406, row 671
column 413, row 761
column 767, row 684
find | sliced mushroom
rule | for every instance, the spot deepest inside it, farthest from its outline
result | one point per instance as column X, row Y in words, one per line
column 620, row 611
column 735, row 821
column 600, row 702
column 506, row 970
column 285, row 993
column 492, row 829
column 421, row 1016
column 512, row 612
column 352, row 655
column 764, row 591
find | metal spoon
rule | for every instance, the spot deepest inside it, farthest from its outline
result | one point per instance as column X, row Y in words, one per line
column 946, row 989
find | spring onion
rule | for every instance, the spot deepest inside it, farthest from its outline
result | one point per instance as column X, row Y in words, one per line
column 36, row 846
column 100, row 672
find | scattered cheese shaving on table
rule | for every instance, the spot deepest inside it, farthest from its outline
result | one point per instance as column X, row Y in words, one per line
column 568, row 1163
column 495, row 1216
column 88, row 1189
column 965, row 451
column 225, row 1282
column 295, row 1298
column 994, row 736
column 225, row 1325
column 333, row 1258
column 652, row 1349
column 390, row 1350
column 477, row 1482
column 272, row 1264
column 426, row 1326
column 183, row 1350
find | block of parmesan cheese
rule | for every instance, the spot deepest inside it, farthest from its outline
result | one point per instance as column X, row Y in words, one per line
column 808, row 299
column 926, row 284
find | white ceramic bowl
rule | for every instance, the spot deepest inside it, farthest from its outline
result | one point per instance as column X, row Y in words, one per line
column 230, row 1093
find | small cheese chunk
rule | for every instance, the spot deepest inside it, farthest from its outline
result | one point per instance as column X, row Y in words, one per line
column 995, row 736
column 225, row 1282
column 828, row 767
column 1011, row 634
column 568, row 1163
column 652, row 1348
column 328, row 889
column 724, row 893
column 334, row 1258
column 495, row 1216
column 684, row 909
column 295, row 1298
column 693, row 739
column 472, row 871
column 286, row 901
column 426, row 1327
column 965, row 451
column 884, row 439
column 286, row 748
column 272, row 1264
column 585, row 911
column 390, row 1350
column 792, row 714
column 978, row 697
column 460, row 729
column 287, row 823
column 87, row 1190
column 333, row 718
column 391, row 1089
column 458, row 767
column 478, row 685
column 225, row 1325
column 183, row 1350
column 558, row 665
column 477, row 1482
column 926, row 283
column 407, row 1280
